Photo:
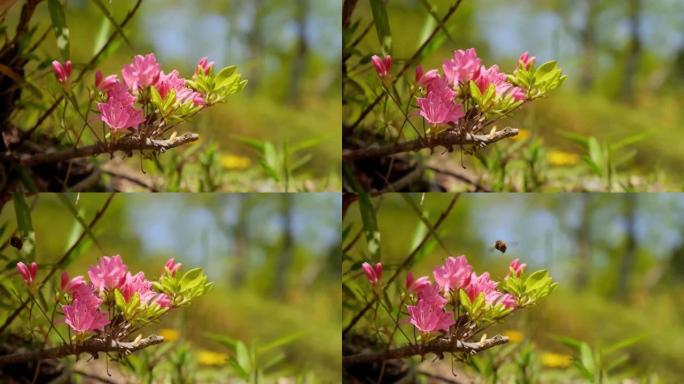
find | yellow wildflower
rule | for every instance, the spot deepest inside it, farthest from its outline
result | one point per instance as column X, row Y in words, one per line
column 169, row 334
column 555, row 360
column 562, row 158
column 514, row 336
column 522, row 134
column 211, row 358
column 235, row 162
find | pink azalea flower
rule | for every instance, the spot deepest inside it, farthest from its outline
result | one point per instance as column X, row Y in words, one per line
column 430, row 293
column 424, row 79
column 428, row 317
column 464, row 66
column 493, row 76
column 86, row 294
column 62, row 72
column 516, row 268
column 526, row 60
column 480, row 284
column 27, row 272
column 383, row 66
column 454, row 274
column 204, row 65
column 135, row 284
column 496, row 297
column 172, row 267
column 438, row 106
column 118, row 112
column 173, row 81
column 82, row 317
column 373, row 273
column 109, row 273
column 142, row 72
column 415, row 286
column 160, row 299
column 105, row 84
column 69, row 285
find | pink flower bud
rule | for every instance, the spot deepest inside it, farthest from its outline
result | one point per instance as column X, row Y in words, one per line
column 516, row 268
column 373, row 273
column 62, row 72
column 382, row 65
column 28, row 273
column 525, row 60
column 172, row 267
column 204, row 65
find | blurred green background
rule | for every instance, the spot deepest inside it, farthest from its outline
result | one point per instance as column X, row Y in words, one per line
column 624, row 61
column 274, row 259
column 288, row 50
column 618, row 258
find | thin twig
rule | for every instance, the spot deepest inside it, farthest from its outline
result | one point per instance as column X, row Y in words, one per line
column 437, row 346
column 92, row 346
column 126, row 144
column 447, row 139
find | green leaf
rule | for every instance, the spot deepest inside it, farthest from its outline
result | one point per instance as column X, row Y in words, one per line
column 370, row 224
column 382, row 26
column 279, row 342
column 59, row 27
column 102, row 35
column 242, row 356
column 587, row 357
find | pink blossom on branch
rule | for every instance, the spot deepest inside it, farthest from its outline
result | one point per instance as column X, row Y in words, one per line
column 142, row 72
column 118, row 112
column 82, row 317
column 108, row 273
column 105, row 84
column 62, row 72
column 492, row 76
column 373, row 273
column 424, row 79
column 438, row 107
column 480, row 284
column 173, row 81
column 27, row 272
column 86, row 294
column 463, row 67
column 454, row 274
column 428, row 317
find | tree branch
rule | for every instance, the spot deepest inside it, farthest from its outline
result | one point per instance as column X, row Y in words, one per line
column 92, row 346
column 447, row 139
column 437, row 346
column 126, row 144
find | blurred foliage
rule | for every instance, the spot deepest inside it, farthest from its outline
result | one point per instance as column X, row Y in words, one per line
column 617, row 258
column 623, row 60
column 274, row 259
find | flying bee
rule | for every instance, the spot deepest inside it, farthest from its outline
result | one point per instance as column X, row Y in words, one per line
column 502, row 246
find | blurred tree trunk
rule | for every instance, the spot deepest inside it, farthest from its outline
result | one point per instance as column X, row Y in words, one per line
column 285, row 256
column 583, row 245
column 255, row 44
column 629, row 254
column 300, row 54
column 239, row 235
column 587, row 35
column 634, row 49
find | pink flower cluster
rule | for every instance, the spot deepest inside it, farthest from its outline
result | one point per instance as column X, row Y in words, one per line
column 428, row 313
column 440, row 106
column 119, row 111
column 82, row 312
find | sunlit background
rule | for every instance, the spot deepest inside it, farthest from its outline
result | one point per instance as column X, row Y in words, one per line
column 274, row 259
column 619, row 260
